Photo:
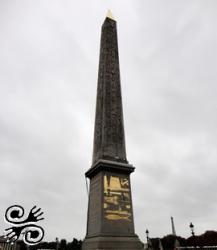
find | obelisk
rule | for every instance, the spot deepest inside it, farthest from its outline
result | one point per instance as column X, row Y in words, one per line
column 173, row 226
column 110, row 223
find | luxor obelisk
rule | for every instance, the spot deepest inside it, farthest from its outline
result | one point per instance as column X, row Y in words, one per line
column 110, row 223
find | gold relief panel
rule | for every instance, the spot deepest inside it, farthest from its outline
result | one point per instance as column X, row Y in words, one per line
column 117, row 202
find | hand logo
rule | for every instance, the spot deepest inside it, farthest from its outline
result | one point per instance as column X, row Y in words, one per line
column 32, row 234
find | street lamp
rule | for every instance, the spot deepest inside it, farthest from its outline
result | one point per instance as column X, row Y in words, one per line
column 147, row 237
column 192, row 229
column 57, row 243
column 193, row 234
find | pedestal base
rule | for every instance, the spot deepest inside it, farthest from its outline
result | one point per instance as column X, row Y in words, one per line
column 112, row 243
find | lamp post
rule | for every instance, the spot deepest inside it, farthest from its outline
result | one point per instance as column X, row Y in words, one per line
column 147, row 237
column 193, row 234
column 57, row 243
column 192, row 229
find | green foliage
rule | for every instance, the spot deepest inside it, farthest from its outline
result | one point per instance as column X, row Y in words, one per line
column 209, row 238
column 168, row 241
column 62, row 245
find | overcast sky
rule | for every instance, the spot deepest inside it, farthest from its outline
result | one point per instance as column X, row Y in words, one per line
column 49, row 53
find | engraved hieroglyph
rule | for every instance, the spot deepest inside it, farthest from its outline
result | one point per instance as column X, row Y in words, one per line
column 117, row 201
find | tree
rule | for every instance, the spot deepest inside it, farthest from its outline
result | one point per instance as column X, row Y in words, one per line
column 63, row 244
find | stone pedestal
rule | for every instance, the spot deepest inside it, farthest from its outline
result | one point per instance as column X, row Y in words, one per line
column 112, row 243
column 110, row 213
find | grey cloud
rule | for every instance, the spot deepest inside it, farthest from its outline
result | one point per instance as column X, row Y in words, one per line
column 48, row 76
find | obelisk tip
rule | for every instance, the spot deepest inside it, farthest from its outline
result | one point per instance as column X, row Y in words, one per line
column 109, row 15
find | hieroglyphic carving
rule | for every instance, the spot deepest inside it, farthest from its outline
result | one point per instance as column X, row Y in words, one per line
column 117, row 201
column 109, row 139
